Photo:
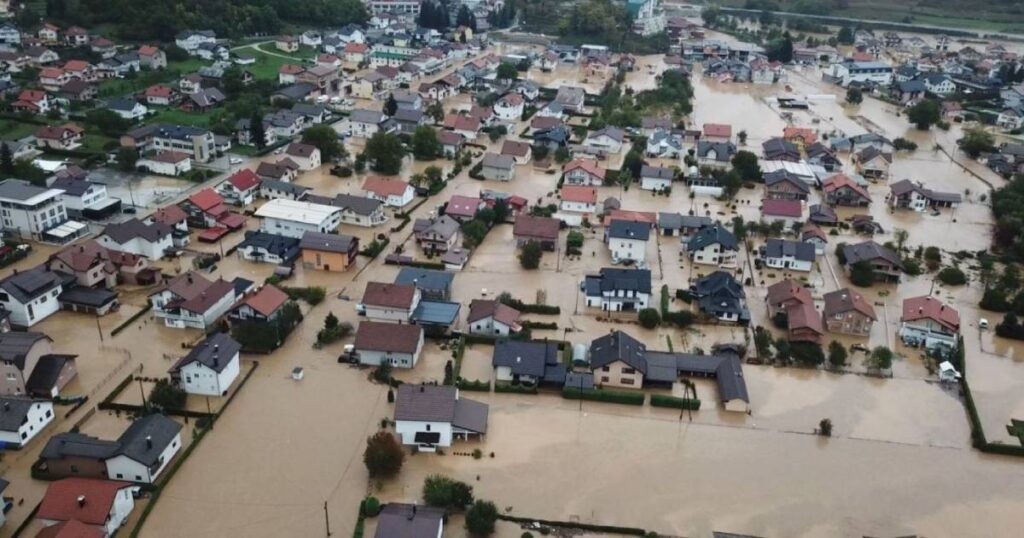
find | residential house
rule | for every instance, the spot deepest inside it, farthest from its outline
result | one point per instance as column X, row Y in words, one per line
column 587, row 172
column 819, row 154
column 779, row 149
column 607, row 140
column 463, row 208
column 782, row 185
column 273, row 188
column 519, row 151
column 570, row 98
column 628, row 240
column 715, row 154
column 617, row 290
column 792, row 302
column 787, row 211
column 160, row 94
column 152, row 57
column 431, row 416
column 129, row 109
column 364, row 123
column 577, row 204
column 389, row 189
column 719, row 295
column 910, row 195
column 885, row 263
column 210, row 368
column 543, row 230
column 509, row 107
column 789, row 255
column 684, row 226
column 814, row 235
column 433, row 285
column 498, row 167
column 23, row 418
column 196, row 142
column 390, row 302
column 293, row 218
column 328, row 252
column 823, row 215
column 62, row 137
column 909, row 92
column 21, row 352
column 100, row 505
column 165, row 162
column 84, row 198
column 664, row 144
column 847, row 312
column 29, row 210
column 262, row 247
column 717, row 132
column 305, row 155
column 840, row 190
column 928, row 322
column 493, row 318
column 528, row 363
column 190, row 300
column 451, row 142
column 240, row 188
column 656, row 178
column 437, row 234
column 136, row 237
column 378, row 343
column 873, row 163
column 32, row 102
column 713, row 245
column 399, row 519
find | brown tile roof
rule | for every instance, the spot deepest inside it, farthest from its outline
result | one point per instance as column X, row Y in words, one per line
column 844, row 300
column 390, row 295
column 515, row 149
column 267, row 300
column 717, row 129
column 788, row 291
column 530, row 227
column 385, row 185
column 589, row 166
column 480, row 309
column 928, row 307
column 170, row 215
column 579, row 193
column 375, row 336
column 61, row 500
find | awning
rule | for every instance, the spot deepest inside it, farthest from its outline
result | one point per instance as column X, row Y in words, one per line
column 68, row 230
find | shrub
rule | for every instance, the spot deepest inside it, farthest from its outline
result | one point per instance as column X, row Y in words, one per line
column 807, row 353
column 312, row 295
column 837, row 354
column 383, row 456
column 444, row 492
column 649, row 318
column 475, row 386
column 515, row 389
column 480, row 518
column 825, row 427
column 995, row 299
column 167, row 395
column 662, row 400
column 530, row 255
column 952, row 276
column 684, row 295
column 681, row 319
column 861, row 274
column 371, row 507
column 506, row 298
column 600, row 395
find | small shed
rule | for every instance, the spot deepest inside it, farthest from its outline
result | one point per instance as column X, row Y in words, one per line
column 298, row 373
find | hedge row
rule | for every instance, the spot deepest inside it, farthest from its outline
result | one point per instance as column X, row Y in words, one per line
column 514, row 389
column 540, row 325
column 663, row 400
column 600, row 395
column 978, row 438
column 533, row 308
column 476, row 386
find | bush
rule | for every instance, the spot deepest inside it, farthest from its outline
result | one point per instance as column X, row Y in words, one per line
column 862, row 274
column 167, row 395
column 312, row 295
column 837, row 354
column 600, row 395
column 681, row 319
column 662, row 400
column 684, row 295
column 995, row 299
column 825, row 427
column 371, row 507
column 515, row 389
column 1010, row 327
column 444, row 492
column 807, row 353
column 506, row 298
column 481, row 517
column 475, row 386
column 952, row 276
column 530, row 255
column 384, row 455
column 649, row 318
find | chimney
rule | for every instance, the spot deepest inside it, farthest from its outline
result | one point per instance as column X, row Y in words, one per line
column 421, row 390
column 7, row 406
column 81, row 501
column 149, row 441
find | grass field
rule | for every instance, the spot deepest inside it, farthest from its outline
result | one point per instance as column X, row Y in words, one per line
column 968, row 14
column 180, row 117
column 16, row 130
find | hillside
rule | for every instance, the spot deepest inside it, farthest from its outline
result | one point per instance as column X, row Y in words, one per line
column 992, row 15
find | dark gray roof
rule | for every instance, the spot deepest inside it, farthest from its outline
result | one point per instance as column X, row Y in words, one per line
column 367, row 116
column 822, row 214
column 14, row 412
column 296, row 91
column 15, row 345
column 81, row 295
column 359, row 205
column 46, row 373
column 525, row 358
column 17, row 189
column 25, row 286
column 658, row 172
column 710, row 235
column 783, row 176
column 627, row 229
column 438, row 403
column 215, row 352
column 326, row 242
column 398, row 520
column 613, row 279
column 425, row 279
column 147, row 438
column 618, row 346
column 720, row 293
column 71, row 186
column 777, row 248
column 283, row 186
column 731, row 383
column 133, row 228
column 723, row 150
column 911, row 86
column 579, row 381
column 779, row 147
column 287, row 248
column 494, row 160
column 870, row 250
column 71, row 444
column 442, row 313
column 124, row 104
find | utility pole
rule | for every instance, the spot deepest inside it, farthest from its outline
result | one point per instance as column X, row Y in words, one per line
column 98, row 328
column 142, row 391
column 327, row 519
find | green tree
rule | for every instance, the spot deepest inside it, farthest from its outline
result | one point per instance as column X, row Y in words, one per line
column 383, row 456
column 879, row 359
column 976, row 142
column 507, row 72
column 444, row 492
column 501, row 211
column 126, row 159
column 845, row 35
column 837, row 354
column 530, row 255
column 107, row 121
column 480, row 519
column 425, row 145
column 854, row 96
column 166, row 395
column 390, row 105
column 473, row 233
column 384, row 152
column 6, row 160
column 924, row 114
column 257, row 134
column 649, row 318
column 952, row 276
column 710, row 15
column 862, row 274
column 745, row 163
column 783, row 351
column 325, row 138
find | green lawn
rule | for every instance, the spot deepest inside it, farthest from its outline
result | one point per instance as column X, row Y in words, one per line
column 180, row 117
column 304, row 53
column 266, row 66
column 16, row 130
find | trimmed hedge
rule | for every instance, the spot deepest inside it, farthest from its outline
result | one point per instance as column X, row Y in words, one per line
column 540, row 325
column 600, row 395
column 533, row 308
column 129, row 321
column 471, row 385
column 663, row 400
column 514, row 389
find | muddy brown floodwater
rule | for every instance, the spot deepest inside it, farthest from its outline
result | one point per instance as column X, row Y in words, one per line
column 900, row 461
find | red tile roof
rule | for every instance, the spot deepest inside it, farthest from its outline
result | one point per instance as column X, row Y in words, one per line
column 356, row 48
column 167, row 156
column 159, row 90
column 206, row 199
column 930, row 308
column 385, row 185
column 389, row 295
column 579, row 193
column 462, row 206
column 148, row 50
column 631, row 216
column 536, row 227
column 782, row 208
column 70, row 529
column 61, row 500
column 374, row 336
column 590, row 166
column 267, row 300
column 717, row 129
column 290, row 69
column 480, row 309
column 244, row 180
column 838, row 181
column 804, row 133
column 170, row 215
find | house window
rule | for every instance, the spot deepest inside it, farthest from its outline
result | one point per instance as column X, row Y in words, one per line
column 628, row 371
column 604, row 379
column 49, row 413
column 119, row 475
column 74, row 468
column 606, row 369
column 626, row 380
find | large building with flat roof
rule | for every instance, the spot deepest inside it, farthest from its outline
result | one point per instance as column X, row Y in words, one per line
column 293, row 218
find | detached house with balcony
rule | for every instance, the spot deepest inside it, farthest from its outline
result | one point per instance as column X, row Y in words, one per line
column 713, row 245
column 627, row 240
column 191, row 301
column 847, row 312
column 930, row 323
column 585, row 172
